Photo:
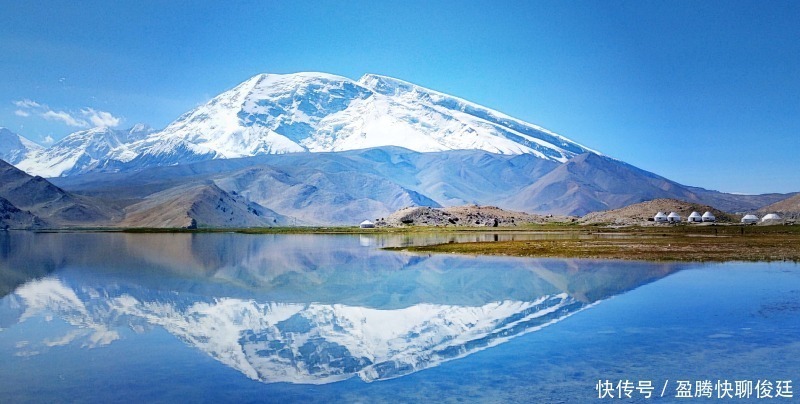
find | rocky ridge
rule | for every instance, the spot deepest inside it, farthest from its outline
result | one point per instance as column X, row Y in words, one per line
column 464, row 216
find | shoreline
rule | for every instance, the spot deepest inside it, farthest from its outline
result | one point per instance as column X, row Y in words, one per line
column 646, row 246
column 680, row 243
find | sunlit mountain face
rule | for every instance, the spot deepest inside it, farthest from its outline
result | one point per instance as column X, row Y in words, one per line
column 273, row 307
column 301, row 112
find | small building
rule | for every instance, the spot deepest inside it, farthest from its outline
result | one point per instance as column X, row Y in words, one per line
column 694, row 218
column 750, row 219
column 709, row 217
column 367, row 225
column 660, row 217
column 771, row 218
column 673, row 217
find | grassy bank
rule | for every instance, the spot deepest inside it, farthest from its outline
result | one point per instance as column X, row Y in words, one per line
column 679, row 243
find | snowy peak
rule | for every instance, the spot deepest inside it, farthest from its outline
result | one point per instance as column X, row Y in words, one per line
column 15, row 148
column 307, row 112
column 319, row 112
column 85, row 150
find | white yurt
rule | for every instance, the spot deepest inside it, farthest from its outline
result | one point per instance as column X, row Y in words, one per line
column 709, row 217
column 750, row 219
column 660, row 217
column 694, row 218
column 367, row 225
column 771, row 218
column 673, row 217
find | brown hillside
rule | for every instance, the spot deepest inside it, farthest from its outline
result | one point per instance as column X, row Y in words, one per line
column 639, row 213
column 789, row 208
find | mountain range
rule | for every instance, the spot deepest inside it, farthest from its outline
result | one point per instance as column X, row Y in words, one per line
column 315, row 148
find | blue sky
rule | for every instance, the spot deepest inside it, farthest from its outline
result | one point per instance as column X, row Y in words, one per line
column 702, row 92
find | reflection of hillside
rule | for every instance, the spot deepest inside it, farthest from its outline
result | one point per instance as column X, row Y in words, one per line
column 299, row 308
column 592, row 280
column 313, row 268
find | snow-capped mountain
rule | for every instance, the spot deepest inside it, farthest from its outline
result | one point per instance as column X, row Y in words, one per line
column 15, row 148
column 272, row 114
column 306, row 112
column 84, row 151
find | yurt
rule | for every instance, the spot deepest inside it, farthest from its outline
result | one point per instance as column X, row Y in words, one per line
column 771, row 218
column 694, row 218
column 709, row 217
column 750, row 219
column 367, row 225
column 673, row 217
column 660, row 217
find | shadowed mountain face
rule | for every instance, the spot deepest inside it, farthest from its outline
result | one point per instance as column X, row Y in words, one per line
column 590, row 183
column 49, row 204
column 271, row 307
column 348, row 187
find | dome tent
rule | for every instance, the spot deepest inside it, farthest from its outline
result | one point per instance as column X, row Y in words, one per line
column 367, row 225
column 771, row 218
column 709, row 217
column 750, row 219
column 673, row 217
column 694, row 218
column 660, row 217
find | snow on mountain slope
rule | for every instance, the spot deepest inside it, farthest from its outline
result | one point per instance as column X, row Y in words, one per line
column 316, row 112
column 542, row 142
column 15, row 148
column 319, row 112
column 84, row 151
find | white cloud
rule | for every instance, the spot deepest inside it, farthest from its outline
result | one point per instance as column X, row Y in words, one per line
column 26, row 103
column 47, row 139
column 101, row 118
column 66, row 339
column 87, row 117
column 65, row 117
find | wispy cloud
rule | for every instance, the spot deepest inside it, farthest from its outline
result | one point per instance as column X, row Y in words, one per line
column 65, row 117
column 100, row 118
column 26, row 103
column 87, row 117
column 48, row 139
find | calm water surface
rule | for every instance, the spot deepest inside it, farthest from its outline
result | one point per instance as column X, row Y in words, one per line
column 314, row 318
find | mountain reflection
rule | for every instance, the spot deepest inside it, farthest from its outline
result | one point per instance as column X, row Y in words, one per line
column 294, row 308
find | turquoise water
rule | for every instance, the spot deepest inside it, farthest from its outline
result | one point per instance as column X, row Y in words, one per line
column 313, row 318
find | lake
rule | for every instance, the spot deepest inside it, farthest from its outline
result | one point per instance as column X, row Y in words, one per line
column 111, row 317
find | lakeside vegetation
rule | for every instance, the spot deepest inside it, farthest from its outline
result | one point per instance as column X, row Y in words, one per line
column 653, row 243
column 713, row 243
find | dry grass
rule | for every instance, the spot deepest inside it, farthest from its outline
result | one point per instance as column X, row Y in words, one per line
column 648, row 246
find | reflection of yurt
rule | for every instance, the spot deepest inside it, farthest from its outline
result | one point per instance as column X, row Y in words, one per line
column 673, row 217
column 771, row 218
column 660, row 217
column 750, row 219
column 694, row 218
column 709, row 217
column 367, row 224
